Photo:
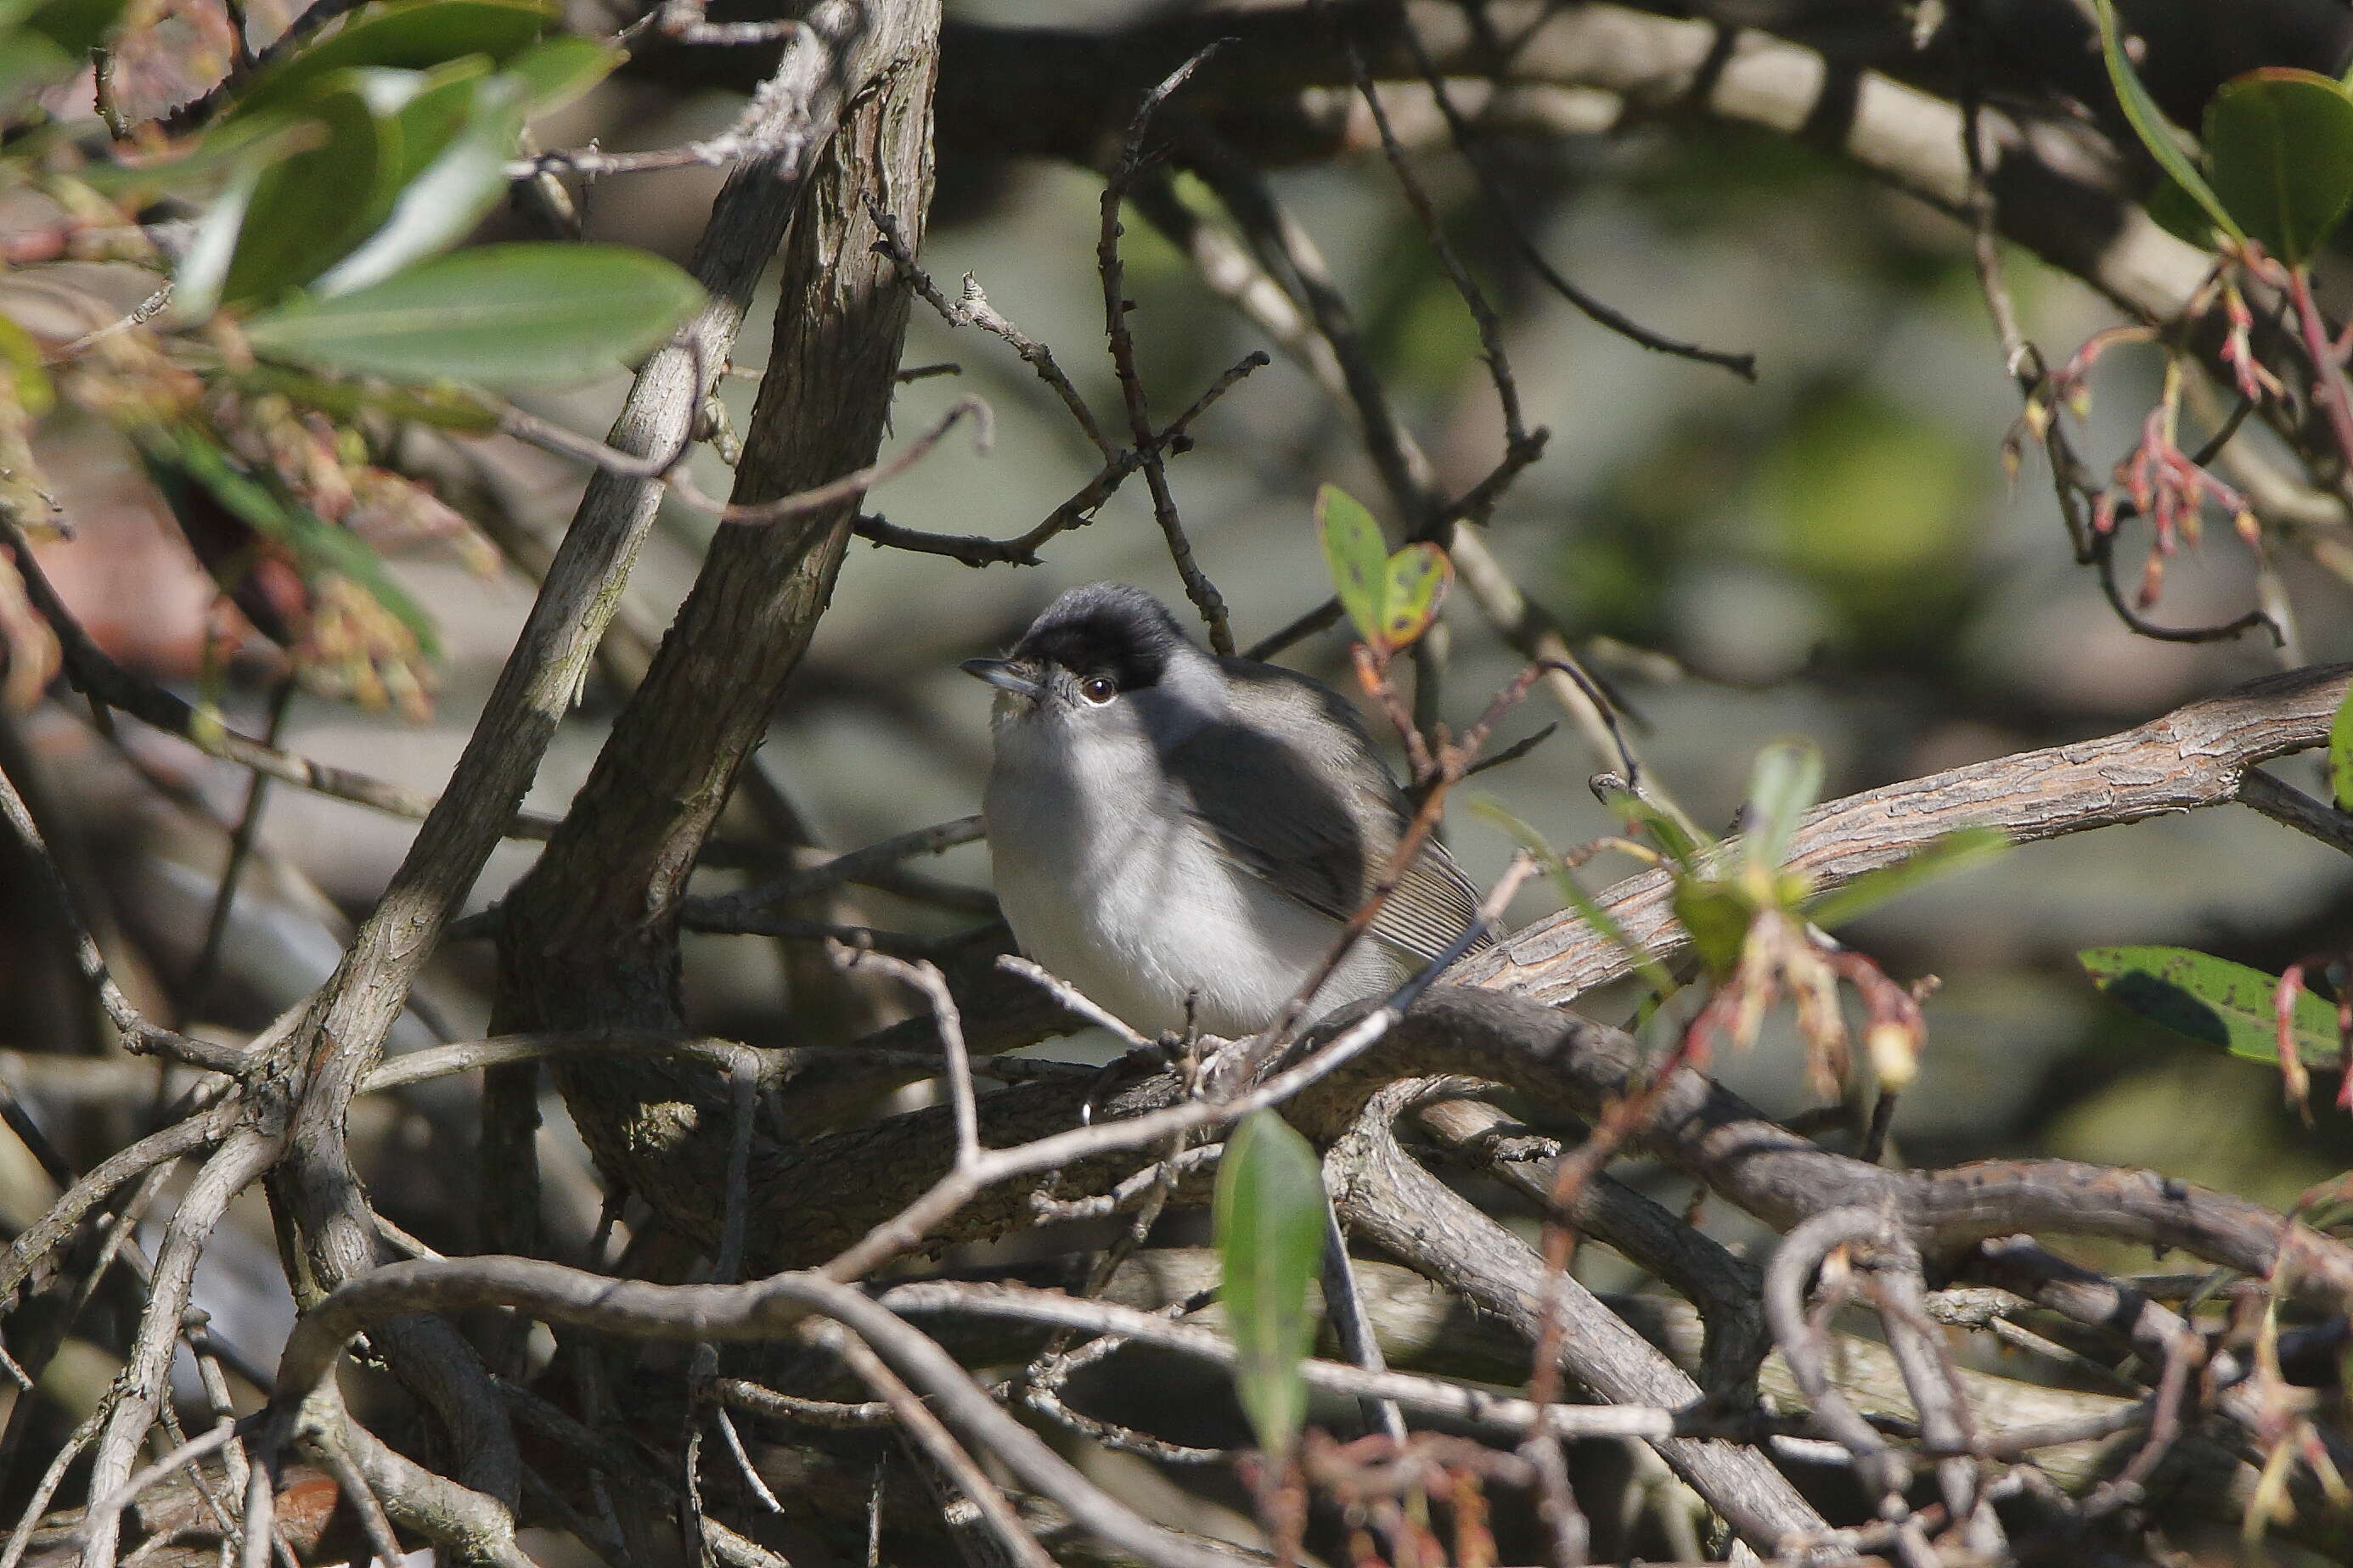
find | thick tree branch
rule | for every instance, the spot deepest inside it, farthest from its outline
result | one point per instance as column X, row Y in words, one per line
column 589, row 936
column 303, row 1084
column 2198, row 756
column 1386, row 1197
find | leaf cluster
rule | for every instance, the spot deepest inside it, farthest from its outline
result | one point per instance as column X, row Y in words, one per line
column 2275, row 162
column 309, row 302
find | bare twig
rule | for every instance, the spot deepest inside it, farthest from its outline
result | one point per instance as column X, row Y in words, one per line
column 848, row 486
column 973, row 310
column 850, row 865
column 959, row 1185
column 1075, row 512
column 690, row 1313
column 146, row 310
column 1503, row 208
column 1292, row 297
column 181, row 1138
column 2199, row 756
column 927, row 979
column 2292, row 808
column 1073, row 999
column 203, row 969
column 759, row 1401
column 138, row 1034
column 1197, row 586
column 96, row 674
column 934, row 1442
column 240, row 1159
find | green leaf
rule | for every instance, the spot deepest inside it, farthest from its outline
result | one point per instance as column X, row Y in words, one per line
column 1682, row 844
column 1783, row 786
column 496, row 314
column 1413, row 583
column 1572, row 893
column 2279, row 143
column 316, row 544
column 310, row 209
column 204, row 266
column 559, row 71
column 432, row 109
column 20, row 361
column 1717, row 918
column 2340, row 754
column 207, row 161
column 2176, row 211
column 2211, row 1000
column 476, row 124
column 1270, row 1225
column 1953, row 852
column 75, row 26
column 2156, row 132
column 1358, row 557
column 409, row 35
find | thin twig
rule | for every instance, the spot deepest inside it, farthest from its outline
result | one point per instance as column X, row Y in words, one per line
column 952, row 1190
column 1504, row 208
column 138, row 1034
column 847, row 867
column 363, row 1499
column 97, row 675
column 75, row 1443
column 1197, row 586
column 2291, row 806
column 203, row 970
column 1072, row 999
column 37, row 1240
column 973, row 310
column 1075, row 512
column 1292, row 295
column 1343, row 1306
column 927, row 979
column 146, row 310
column 101, row 1515
column 934, row 1442
column 2104, row 559
column 848, row 486
column 759, row 1401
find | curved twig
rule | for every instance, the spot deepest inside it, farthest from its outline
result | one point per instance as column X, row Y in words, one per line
column 1787, row 1277
column 690, row 1313
column 848, row 486
column 181, row 1138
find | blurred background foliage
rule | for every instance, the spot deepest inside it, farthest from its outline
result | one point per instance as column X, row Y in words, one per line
column 1832, row 553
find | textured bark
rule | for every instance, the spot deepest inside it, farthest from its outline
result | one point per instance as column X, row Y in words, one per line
column 1386, row 1196
column 590, row 935
column 2198, row 756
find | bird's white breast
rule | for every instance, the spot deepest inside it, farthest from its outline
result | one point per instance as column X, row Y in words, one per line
column 1110, row 885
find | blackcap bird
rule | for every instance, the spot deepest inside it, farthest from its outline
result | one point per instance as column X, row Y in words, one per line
column 1173, row 828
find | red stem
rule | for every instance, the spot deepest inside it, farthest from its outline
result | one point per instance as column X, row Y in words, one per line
column 2331, row 380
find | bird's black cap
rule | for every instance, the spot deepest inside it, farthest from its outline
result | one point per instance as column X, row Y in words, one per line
column 1105, row 628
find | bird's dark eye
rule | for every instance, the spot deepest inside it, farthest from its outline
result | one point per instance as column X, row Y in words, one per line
column 1098, row 689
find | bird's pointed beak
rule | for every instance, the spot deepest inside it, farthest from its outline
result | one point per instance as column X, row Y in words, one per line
column 1005, row 675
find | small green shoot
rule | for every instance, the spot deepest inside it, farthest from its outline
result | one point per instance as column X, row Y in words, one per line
column 1391, row 599
column 1269, row 1213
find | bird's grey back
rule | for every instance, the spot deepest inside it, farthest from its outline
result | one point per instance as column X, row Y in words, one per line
column 1287, row 818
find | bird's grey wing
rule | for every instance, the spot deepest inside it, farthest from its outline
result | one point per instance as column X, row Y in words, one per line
column 1432, row 904
column 1319, row 824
